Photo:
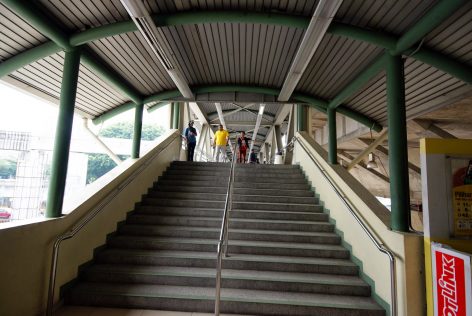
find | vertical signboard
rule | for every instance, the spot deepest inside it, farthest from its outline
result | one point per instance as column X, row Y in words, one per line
column 451, row 282
column 462, row 197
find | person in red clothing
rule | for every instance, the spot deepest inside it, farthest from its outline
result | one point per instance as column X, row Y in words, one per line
column 243, row 144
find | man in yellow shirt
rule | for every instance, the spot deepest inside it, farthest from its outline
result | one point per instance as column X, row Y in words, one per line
column 221, row 139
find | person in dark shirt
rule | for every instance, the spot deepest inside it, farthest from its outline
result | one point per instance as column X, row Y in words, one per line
column 253, row 157
column 191, row 137
column 243, row 144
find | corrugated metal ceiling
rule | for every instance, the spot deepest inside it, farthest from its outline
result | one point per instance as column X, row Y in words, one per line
column 245, row 54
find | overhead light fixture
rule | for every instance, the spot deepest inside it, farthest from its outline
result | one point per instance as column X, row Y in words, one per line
column 372, row 164
column 135, row 9
column 321, row 19
column 148, row 29
column 261, row 109
column 258, row 124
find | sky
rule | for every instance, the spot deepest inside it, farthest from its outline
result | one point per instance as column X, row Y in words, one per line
column 21, row 111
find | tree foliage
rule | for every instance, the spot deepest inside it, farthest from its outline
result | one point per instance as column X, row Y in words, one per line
column 99, row 164
column 125, row 130
column 7, row 168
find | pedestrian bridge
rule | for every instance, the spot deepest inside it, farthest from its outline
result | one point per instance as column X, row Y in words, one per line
column 319, row 85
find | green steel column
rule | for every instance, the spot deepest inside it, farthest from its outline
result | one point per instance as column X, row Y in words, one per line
column 176, row 115
column 397, row 143
column 60, row 158
column 332, row 137
column 301, row 118
column 138, row 124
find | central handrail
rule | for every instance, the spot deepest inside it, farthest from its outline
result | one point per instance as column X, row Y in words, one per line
column 380, row 246
column 223, row 241
column 88, row 217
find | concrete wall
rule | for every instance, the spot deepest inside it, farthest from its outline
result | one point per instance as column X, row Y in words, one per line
column 375, row 267
column 26, row 250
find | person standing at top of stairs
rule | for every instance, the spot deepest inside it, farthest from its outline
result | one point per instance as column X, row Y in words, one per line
column 191, row 138
column 221, row 139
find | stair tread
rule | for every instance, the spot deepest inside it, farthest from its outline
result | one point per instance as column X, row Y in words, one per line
column 239, row 230
column 235, row 295
column 274, row 276
column 234, row 242
column 244, row 257
column 233, row 210
column 247, row 220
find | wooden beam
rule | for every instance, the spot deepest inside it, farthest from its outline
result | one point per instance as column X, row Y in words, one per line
column 428, row 125
column 368, row 150
column 384, row 151
column 344, row 155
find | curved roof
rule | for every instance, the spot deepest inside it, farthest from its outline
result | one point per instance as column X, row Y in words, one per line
column 240, row 52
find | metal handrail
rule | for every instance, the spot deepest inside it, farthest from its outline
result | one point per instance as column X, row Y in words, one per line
column 86, row 219
column 380, row 246
column 223, row 241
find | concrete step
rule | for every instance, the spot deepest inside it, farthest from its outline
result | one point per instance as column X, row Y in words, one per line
column 236, row 197
column 235, row 261
column 238, row 301
column 265, row 166
column 275, row 199
column 282, row 186
column 235, row 246
column 184, row 203
column 156, row 194
column 220, row 182
column 183, row 164
column 287, row 207
column 251, row 214
column 241, row 191
column 278, row 215
column 240, row 234
column 272, row 180
column 240, row 279
column 236, row 223
column 269, row 174
column 220, row 204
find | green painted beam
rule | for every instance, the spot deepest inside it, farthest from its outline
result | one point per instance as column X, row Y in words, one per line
column 111, row 77
column 444, row 63
column 138, row 127
column 301, row 118
column 377, row 38
column 332, row 137
column 380, row 39
column 34, row 15
column 433, row 18
column 361, row 118
column 27, row 57
column 319, row 104
column 103, row 31
column 361, row 80
column 60, row 157
column 397, row 144
column 191, row 17
column 114, row 112
column 157, row 106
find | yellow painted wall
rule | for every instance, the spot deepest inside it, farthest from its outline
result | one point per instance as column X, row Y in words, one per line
column 26, row 250
column 408, row 248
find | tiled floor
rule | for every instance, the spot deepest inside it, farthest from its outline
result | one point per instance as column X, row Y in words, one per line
column 95, row 311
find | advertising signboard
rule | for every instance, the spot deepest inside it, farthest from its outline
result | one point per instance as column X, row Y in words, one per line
column 451, row 282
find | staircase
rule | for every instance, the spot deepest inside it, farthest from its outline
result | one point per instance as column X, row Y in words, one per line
column 285, row 258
